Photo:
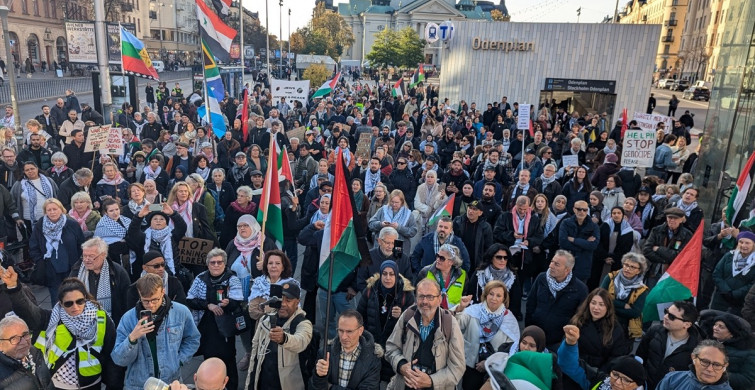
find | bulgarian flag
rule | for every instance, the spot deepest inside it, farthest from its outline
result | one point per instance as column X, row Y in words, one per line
column 328, row 87
column 396, row 91
column 445, row 210
column 679, row 282
column 740, row 192
column 417, row 77
column 339, row 252
column 269, row 214
column 134, row 57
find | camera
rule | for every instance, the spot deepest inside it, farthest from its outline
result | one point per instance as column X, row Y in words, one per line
column 398, row 248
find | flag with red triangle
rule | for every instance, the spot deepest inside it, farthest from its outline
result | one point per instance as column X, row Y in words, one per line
column 328, row 87
column 284, row 166
column 270, row 215
column 445, row 210
column 680, row 281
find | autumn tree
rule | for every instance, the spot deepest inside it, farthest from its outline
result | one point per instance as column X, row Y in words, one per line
column 328, row 34
column 317, row 74
column 498, row 16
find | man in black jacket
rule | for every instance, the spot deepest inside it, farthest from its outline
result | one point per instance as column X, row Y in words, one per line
column 665, row 242
column 88, row 114
column 668, row 347
column 385, row 249
column 37, row 153
column 77, row 158
column 16, row 372
column 475, row 232
column 80, row 181
column 152, row 128
column 403, row 179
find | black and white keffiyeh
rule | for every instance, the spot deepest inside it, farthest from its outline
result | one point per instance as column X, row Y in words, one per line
column 84, row 329
column 555, row 286
column 625, row 286
column 103, row 293
column 111, row 230
column 506, row 276
column 31, row 191
column 53, row 232
column 164, row 238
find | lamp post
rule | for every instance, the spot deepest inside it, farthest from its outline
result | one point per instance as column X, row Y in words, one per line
column 11, row 72
column 289, row 31
column 280, row 40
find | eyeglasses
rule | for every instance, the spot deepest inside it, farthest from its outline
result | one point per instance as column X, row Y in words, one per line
column 78, row 302
column 547, row 152
column 391, row 274
column 673, row 317
column 426, row 297
column 156, row 266
column 242, row 226
column 631, row 266
column 87, row 257
column 219, row 262
column 441, row 258
column 151, row 301
column 348, row 332
column 500, row 257
column 707, row 363
column 623, row 379
column 15, row 340
column 580, row 209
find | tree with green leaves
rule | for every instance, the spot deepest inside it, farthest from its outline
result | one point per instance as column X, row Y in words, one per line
column 328, row 34
column 401, row 48
column 317, row 74
column 385, row 49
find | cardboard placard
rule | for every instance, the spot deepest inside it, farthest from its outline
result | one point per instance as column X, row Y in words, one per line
column 363, row 145
column 650, row 121
column 570, row 160
column 114, row 143
column 297, row 132
column 97, row 136
column 193, row 251
column 639, row 148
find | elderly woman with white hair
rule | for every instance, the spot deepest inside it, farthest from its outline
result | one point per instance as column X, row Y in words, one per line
column 59, row 170
column 628, row 291
column 447, row 271
column 199, row 194
column 430, row 196
column 81, row 212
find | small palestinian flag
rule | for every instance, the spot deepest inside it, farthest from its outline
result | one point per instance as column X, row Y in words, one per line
column 445, row 210
column 396, row 90
column 417, row 77
column 328, row 87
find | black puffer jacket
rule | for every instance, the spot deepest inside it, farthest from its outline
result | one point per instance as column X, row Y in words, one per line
column 364, row 375
column 370, row 306
column 592, row 350
column 13, row 375
column 653, row 347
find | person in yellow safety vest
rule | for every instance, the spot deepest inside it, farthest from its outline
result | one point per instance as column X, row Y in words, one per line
column 75, row 337
column 447, row 271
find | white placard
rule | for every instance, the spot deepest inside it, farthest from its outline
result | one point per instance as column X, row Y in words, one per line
column 523, row 120
column 291, row 90
column 570, row 160
column 650, row 121
column 82, row 48
column 639, row 148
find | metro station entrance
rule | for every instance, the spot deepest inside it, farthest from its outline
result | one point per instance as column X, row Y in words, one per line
column 594, row 96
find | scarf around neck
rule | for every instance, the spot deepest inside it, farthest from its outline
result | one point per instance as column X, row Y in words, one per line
column 81, row 220
column 83, row 326
column 555, row 286
column 517, row 221
column 742, row 265
column 625, row 286
column 240, row 172
column 103, row 293
column 150, row 174
column 31, row 192
column 185, row 211
column 546, row 181
column 687, row 209
column 490, row 321
column 401, row 217
column 163, row 238
column 117, row 180
column 506, row 276
column 53, row 232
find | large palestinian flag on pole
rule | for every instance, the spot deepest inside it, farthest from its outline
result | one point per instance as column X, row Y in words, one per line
column 328, row 87
column 134, row 57
column 269, row 214
column 734, row 212
column 339, row 248
column 681, row 280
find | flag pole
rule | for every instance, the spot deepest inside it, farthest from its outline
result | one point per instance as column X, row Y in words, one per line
column 123, row 70
column 330, row 297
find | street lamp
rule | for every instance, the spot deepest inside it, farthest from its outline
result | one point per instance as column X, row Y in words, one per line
column 280, row 63
column 11, row 72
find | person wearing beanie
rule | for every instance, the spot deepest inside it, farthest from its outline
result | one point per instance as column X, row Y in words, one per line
column 153, row 262
column 733, row 275
column 596, row 207
column 626, row 373
column 160, row 235
column 387, row 294
column 736, row 335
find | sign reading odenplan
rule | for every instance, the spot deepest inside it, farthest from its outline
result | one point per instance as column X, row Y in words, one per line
column 291, row 90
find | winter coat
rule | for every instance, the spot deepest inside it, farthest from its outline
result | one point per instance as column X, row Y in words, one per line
column 739, row 348
column 574, row 195
column 653, row 347
column 135, row 239
column 119, row 284
column 366, row 271
column 482, row 240
column 748, row 310
column 17, row 190
column 448, row 352
column 69, row 249
column 601, row 174
column 686, row 380
column 581, row 248
column 311, row 238
column 624, row 243
column 552, row 313
column 370, row 306
column 551, row 190
column 16, row 377
column 503, row 232
column 424, row 253
column 365, row 375
column 119, row 191
column 66, row 191
column 404, row 180
column 592, row 350
column 630, row 319
column 730, row 290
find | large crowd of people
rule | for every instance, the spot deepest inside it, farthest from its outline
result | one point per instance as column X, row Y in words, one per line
column 538, row 273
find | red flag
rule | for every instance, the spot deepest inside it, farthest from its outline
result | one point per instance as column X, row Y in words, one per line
column 532, row 130
column 245, row 115
column 284, row 168
column 624, row 122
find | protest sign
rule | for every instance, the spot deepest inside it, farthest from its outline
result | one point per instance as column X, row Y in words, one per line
column 570, row 160
column 363, row 145
column 650, row 121
column 297, row 132
column 291, row 90
column 638, row 148
column 193, row 251
column 523, row 120
column 97, row 136
column 114, row 143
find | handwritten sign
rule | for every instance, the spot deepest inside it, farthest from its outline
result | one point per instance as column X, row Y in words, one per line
column 650, row 121
column 570, row 160
column 523, row 120
column 638, row 148
column 363, row 145
column 297, row 133
column 114, row 143
column 97, row 137
column 193, row 251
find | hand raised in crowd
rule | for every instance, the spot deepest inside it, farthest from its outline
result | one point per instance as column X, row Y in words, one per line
column 144, row 211
column 167, row 209
column 319, row 225
column 143, row 326
column 466, row 300
column 9, row 277
column 571, row 334
column 322, row 365
column 176, row 385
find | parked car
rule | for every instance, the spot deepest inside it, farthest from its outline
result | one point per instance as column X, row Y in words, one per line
column 159, row 66
column 696, row 93
column 665, row 83
column 679, row 85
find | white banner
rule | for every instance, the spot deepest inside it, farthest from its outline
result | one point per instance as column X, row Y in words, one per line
column 650, row 121
column 639, row 148
column 82, row 48
column 291, row 90
column 523, row 120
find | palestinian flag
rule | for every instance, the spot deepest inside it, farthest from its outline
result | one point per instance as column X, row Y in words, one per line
column 339, row 249
column 734, row 212
column 624, row 122
column 679, row 282
column 284, row 166
column 445, row 210
column 328, row 87
column 222, row 7
column 417, row 77
column 269, row 214
column 396, row 90
column 134, row 57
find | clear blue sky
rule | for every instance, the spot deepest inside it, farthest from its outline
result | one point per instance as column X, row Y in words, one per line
column 593, row 11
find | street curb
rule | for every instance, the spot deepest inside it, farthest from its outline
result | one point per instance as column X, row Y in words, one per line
column 82, row 93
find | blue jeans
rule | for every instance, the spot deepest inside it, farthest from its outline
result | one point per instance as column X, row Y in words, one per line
column 338, row 304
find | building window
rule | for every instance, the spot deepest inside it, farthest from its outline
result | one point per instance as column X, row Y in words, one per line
column 46, row 7
column 33, row 46
column 24, row 7
column 54, row 9
column 35, row 7
column 666, row 49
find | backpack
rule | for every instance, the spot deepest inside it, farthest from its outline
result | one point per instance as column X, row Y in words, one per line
column 308, row 357
column 445, row 321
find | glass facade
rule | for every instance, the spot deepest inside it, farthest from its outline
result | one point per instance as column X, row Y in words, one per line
column 728, row 138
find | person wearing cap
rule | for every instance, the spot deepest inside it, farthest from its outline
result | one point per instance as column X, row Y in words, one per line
column 158, row 236
column 181, row 158
column 276, row 346
column 154, row 263
column 733, row 275
column 241, row 172
column 709, row 370
column 626, row 372
column 665, row 242
column 475, row 232
column 532, row 164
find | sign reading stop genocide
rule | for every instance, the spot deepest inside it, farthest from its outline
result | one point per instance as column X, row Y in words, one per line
column 639, row 148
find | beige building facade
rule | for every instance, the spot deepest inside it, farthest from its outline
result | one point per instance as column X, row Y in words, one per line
column 702, row 38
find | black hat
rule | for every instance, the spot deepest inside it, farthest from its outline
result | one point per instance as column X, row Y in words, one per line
column 256, row 172
column 490, row 168
column 291, row 290
column 154, row 213
column 630, row 367
column 645, row 189
column 475, row 204
column 151, row 255
column 530, row 151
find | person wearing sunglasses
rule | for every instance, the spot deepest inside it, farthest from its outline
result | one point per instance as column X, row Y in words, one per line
column 579, row 235
column 76, row 337
column 154, row 263
column 668, row 346
column 624, row 372
column 495, row 266
column 21, row 365
column 710, row 366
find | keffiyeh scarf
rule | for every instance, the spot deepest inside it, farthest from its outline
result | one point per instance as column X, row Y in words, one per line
column 625, row 286
column 401, row 217
column 742, row 265
column 555, row 286
column 505, row 275
column 163, row 238
column 137, row 207
column 111, row 230
column 103, row 293
column 150, row 174
column 261, row 286
column 370, row 180
column 84, row 329
column 240, row 172
column 31, row 192
column 52, row 232
column 490, row 321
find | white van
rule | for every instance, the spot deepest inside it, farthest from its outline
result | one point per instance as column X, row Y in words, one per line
column 159, row 66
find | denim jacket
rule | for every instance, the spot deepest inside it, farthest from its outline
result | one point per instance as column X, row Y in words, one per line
column 182, row 341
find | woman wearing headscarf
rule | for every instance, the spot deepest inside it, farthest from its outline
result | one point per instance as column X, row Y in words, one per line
column 151, row 192
column 494, row 266
column 112, row 228
column 81, row 212
column 76, row 337
column 31, row 192
column 616, row 240
column 733, row 275
column 322, row 213
column 596, row 207
column 386, row 296
column 628, row 292
column 246, row 250
column 160, row 235
column 55, row 245
column 464, row 198
column 488, row 327
column 112, row 184
column 430, row 196
column 153, row 171
column 179, row 175
column 243, row 205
